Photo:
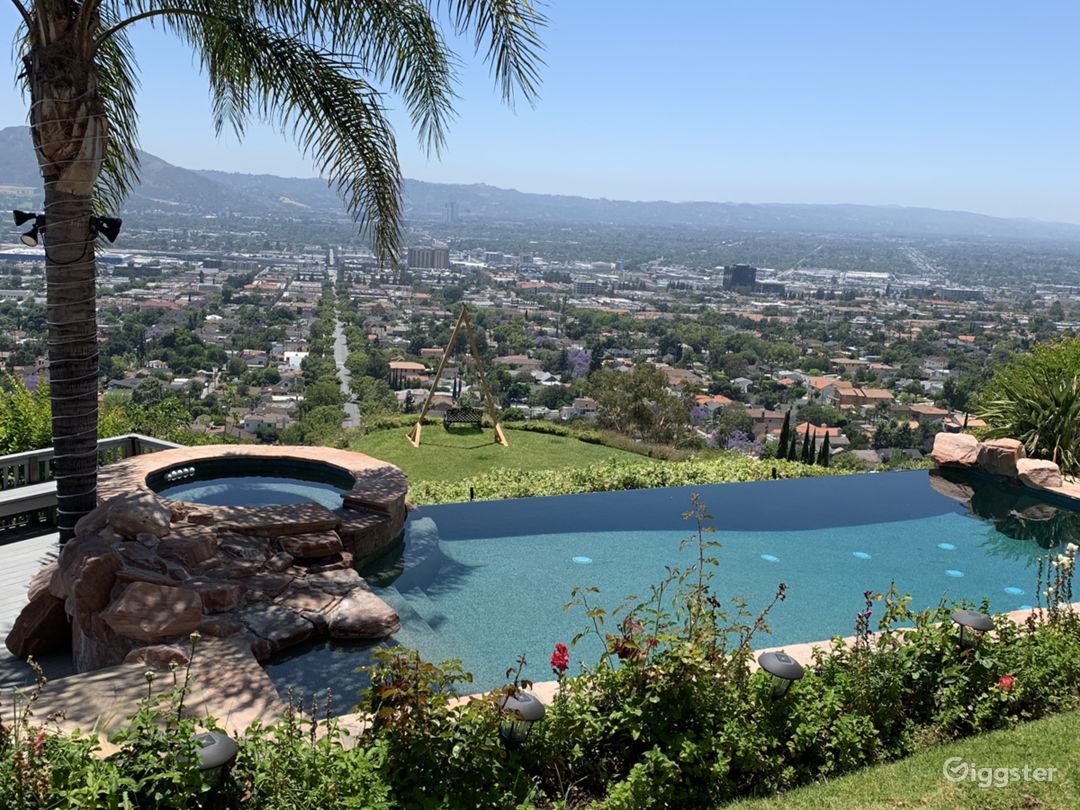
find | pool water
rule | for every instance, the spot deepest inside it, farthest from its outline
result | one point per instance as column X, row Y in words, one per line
column 250, row 490
column 252, row 481
column 487, row 582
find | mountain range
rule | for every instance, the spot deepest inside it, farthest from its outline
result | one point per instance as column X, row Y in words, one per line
column 165, row 187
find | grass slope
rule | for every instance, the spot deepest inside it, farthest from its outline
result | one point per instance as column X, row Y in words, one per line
column 918, row 781
column 458, row 454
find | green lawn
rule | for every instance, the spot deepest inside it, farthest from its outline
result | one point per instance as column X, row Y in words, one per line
column 460, row 453
column 918, row 782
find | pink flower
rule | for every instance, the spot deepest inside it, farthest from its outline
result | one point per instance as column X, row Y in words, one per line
column 560, row 659
column 39, row 743
column 1006, row 682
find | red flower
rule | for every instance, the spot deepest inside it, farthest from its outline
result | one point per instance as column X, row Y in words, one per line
column 1006, row 682
column 39, row 743
column 560, row 659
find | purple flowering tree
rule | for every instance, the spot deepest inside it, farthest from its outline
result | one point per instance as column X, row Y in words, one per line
column 579, row 363
column 737, row 440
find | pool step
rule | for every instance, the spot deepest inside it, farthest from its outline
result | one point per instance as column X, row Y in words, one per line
column 424, row 627
column 365, row 532
column 274, row 521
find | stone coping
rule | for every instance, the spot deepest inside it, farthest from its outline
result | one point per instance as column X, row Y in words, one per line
column 378, row 485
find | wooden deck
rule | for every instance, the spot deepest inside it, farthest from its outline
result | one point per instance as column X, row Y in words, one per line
column 20, row 559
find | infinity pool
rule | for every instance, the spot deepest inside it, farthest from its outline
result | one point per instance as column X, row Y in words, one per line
column 486, row 582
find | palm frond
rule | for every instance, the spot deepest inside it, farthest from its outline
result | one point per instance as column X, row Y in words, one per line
column 511, row 29
column 118, row 83
column 396, row 42
column 332, row 113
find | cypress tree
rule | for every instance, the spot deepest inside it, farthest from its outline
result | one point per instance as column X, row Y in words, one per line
column 793, row 448
column 785, row 436
column 823, row 453
column 807, row 451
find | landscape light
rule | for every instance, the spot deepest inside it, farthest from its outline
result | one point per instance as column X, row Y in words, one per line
column 215, row 752
column 519, row 712
column 109, row 227
column 972, row 627
column 30, row 238
column 784, row 670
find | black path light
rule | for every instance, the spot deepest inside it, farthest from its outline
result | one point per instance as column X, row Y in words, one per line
column 519, row 711
column 972, row 626
column 784, row 670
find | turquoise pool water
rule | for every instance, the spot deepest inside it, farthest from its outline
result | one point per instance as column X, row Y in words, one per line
column 487, row 582
column 249, row 481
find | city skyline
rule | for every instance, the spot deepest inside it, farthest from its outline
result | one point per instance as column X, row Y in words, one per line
column 970, row 107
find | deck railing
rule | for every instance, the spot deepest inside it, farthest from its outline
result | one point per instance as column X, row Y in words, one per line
column 27, row 489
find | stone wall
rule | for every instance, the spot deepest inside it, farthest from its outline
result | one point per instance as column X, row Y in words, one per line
column 143, row 572
column 1005, row 458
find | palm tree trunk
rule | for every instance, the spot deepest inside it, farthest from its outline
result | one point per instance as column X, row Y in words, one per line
column 70, row 272
column 69, row 128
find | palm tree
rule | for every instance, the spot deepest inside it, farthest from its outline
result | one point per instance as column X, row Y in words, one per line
column 312, row 67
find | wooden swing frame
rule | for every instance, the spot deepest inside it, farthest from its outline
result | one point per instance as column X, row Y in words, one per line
column 463, row 318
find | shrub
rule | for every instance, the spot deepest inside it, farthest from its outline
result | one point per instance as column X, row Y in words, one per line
column 722, row 467
column 1036, row 399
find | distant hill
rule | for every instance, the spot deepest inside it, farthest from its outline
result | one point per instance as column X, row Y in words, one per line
column 168, row 187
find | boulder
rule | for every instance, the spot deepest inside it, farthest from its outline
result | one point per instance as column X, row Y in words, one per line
column 340, row 582
column 278, row 625
column 282, row 561
column 260, row 647
column 218, row 596
column 267, row 585
column 94, row 520
column 322, row 544
column 136, row 555
column 42, row 627
column 999, row 456
column 955, row 449
column 142, row 512
column 40, row 581
column 94, row 645
column 241, row 547
column 148, row 612
column 128, row 574
column 305, row 600
column 228, row 568
column 193, row 550
column 362, row 615
column 220, row 626
column 86, row 571
column 1039, row 473
column 334, row 562
column 158, row 656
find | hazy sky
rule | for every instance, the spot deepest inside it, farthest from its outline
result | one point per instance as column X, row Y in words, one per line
column 947, row 104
